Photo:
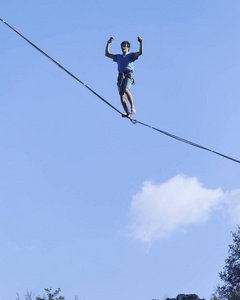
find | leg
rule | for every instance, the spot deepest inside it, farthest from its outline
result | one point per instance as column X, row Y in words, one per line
column 124, row 102
column 130, row 99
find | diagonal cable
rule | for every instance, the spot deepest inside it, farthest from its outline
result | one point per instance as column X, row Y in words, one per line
column 109, row 104
column 183, row 140
column 61, row 67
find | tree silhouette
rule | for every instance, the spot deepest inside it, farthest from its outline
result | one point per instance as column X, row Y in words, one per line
column 231, row 272
column 50, row 295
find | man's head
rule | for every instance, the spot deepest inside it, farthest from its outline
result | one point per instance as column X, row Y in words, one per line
column 125, row 45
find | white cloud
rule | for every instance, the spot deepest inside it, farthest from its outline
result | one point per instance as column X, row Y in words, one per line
column 158, row 210
column 233, row 200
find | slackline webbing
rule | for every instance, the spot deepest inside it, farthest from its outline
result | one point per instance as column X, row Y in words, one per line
column 60, row 66
column 105, row 101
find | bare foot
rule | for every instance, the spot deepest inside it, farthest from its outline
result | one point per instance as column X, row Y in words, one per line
column 133, row 111
column 126, row 116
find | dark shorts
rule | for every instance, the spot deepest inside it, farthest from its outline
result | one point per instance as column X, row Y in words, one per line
column 125, row 81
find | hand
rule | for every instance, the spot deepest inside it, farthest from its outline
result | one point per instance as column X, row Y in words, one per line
column 139, row 39
column 110, row 40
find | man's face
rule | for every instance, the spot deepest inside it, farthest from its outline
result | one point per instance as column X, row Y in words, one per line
column 125, row 48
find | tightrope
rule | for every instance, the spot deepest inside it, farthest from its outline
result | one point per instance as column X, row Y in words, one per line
column 134, row 121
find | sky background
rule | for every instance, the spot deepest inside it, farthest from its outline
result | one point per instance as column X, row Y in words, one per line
column 91, row 203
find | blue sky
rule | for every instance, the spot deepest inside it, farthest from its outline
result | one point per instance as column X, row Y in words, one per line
column 90, row 202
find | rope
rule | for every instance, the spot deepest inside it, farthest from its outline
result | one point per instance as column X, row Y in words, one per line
column 183, row 140
column 54, row 61
column 105, row 101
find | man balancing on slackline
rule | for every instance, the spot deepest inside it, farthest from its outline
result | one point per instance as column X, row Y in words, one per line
column 125, row 63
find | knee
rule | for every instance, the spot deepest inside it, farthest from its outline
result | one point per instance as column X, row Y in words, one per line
column 122, row 95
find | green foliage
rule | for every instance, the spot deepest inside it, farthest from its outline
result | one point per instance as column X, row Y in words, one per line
column 231, row 272
column 50, row 295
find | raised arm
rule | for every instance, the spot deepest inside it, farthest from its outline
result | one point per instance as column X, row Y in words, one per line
column 107, row 48
column 140, row 52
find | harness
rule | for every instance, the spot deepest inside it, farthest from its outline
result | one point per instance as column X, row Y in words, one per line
column 125, row 72
column 122, row 76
